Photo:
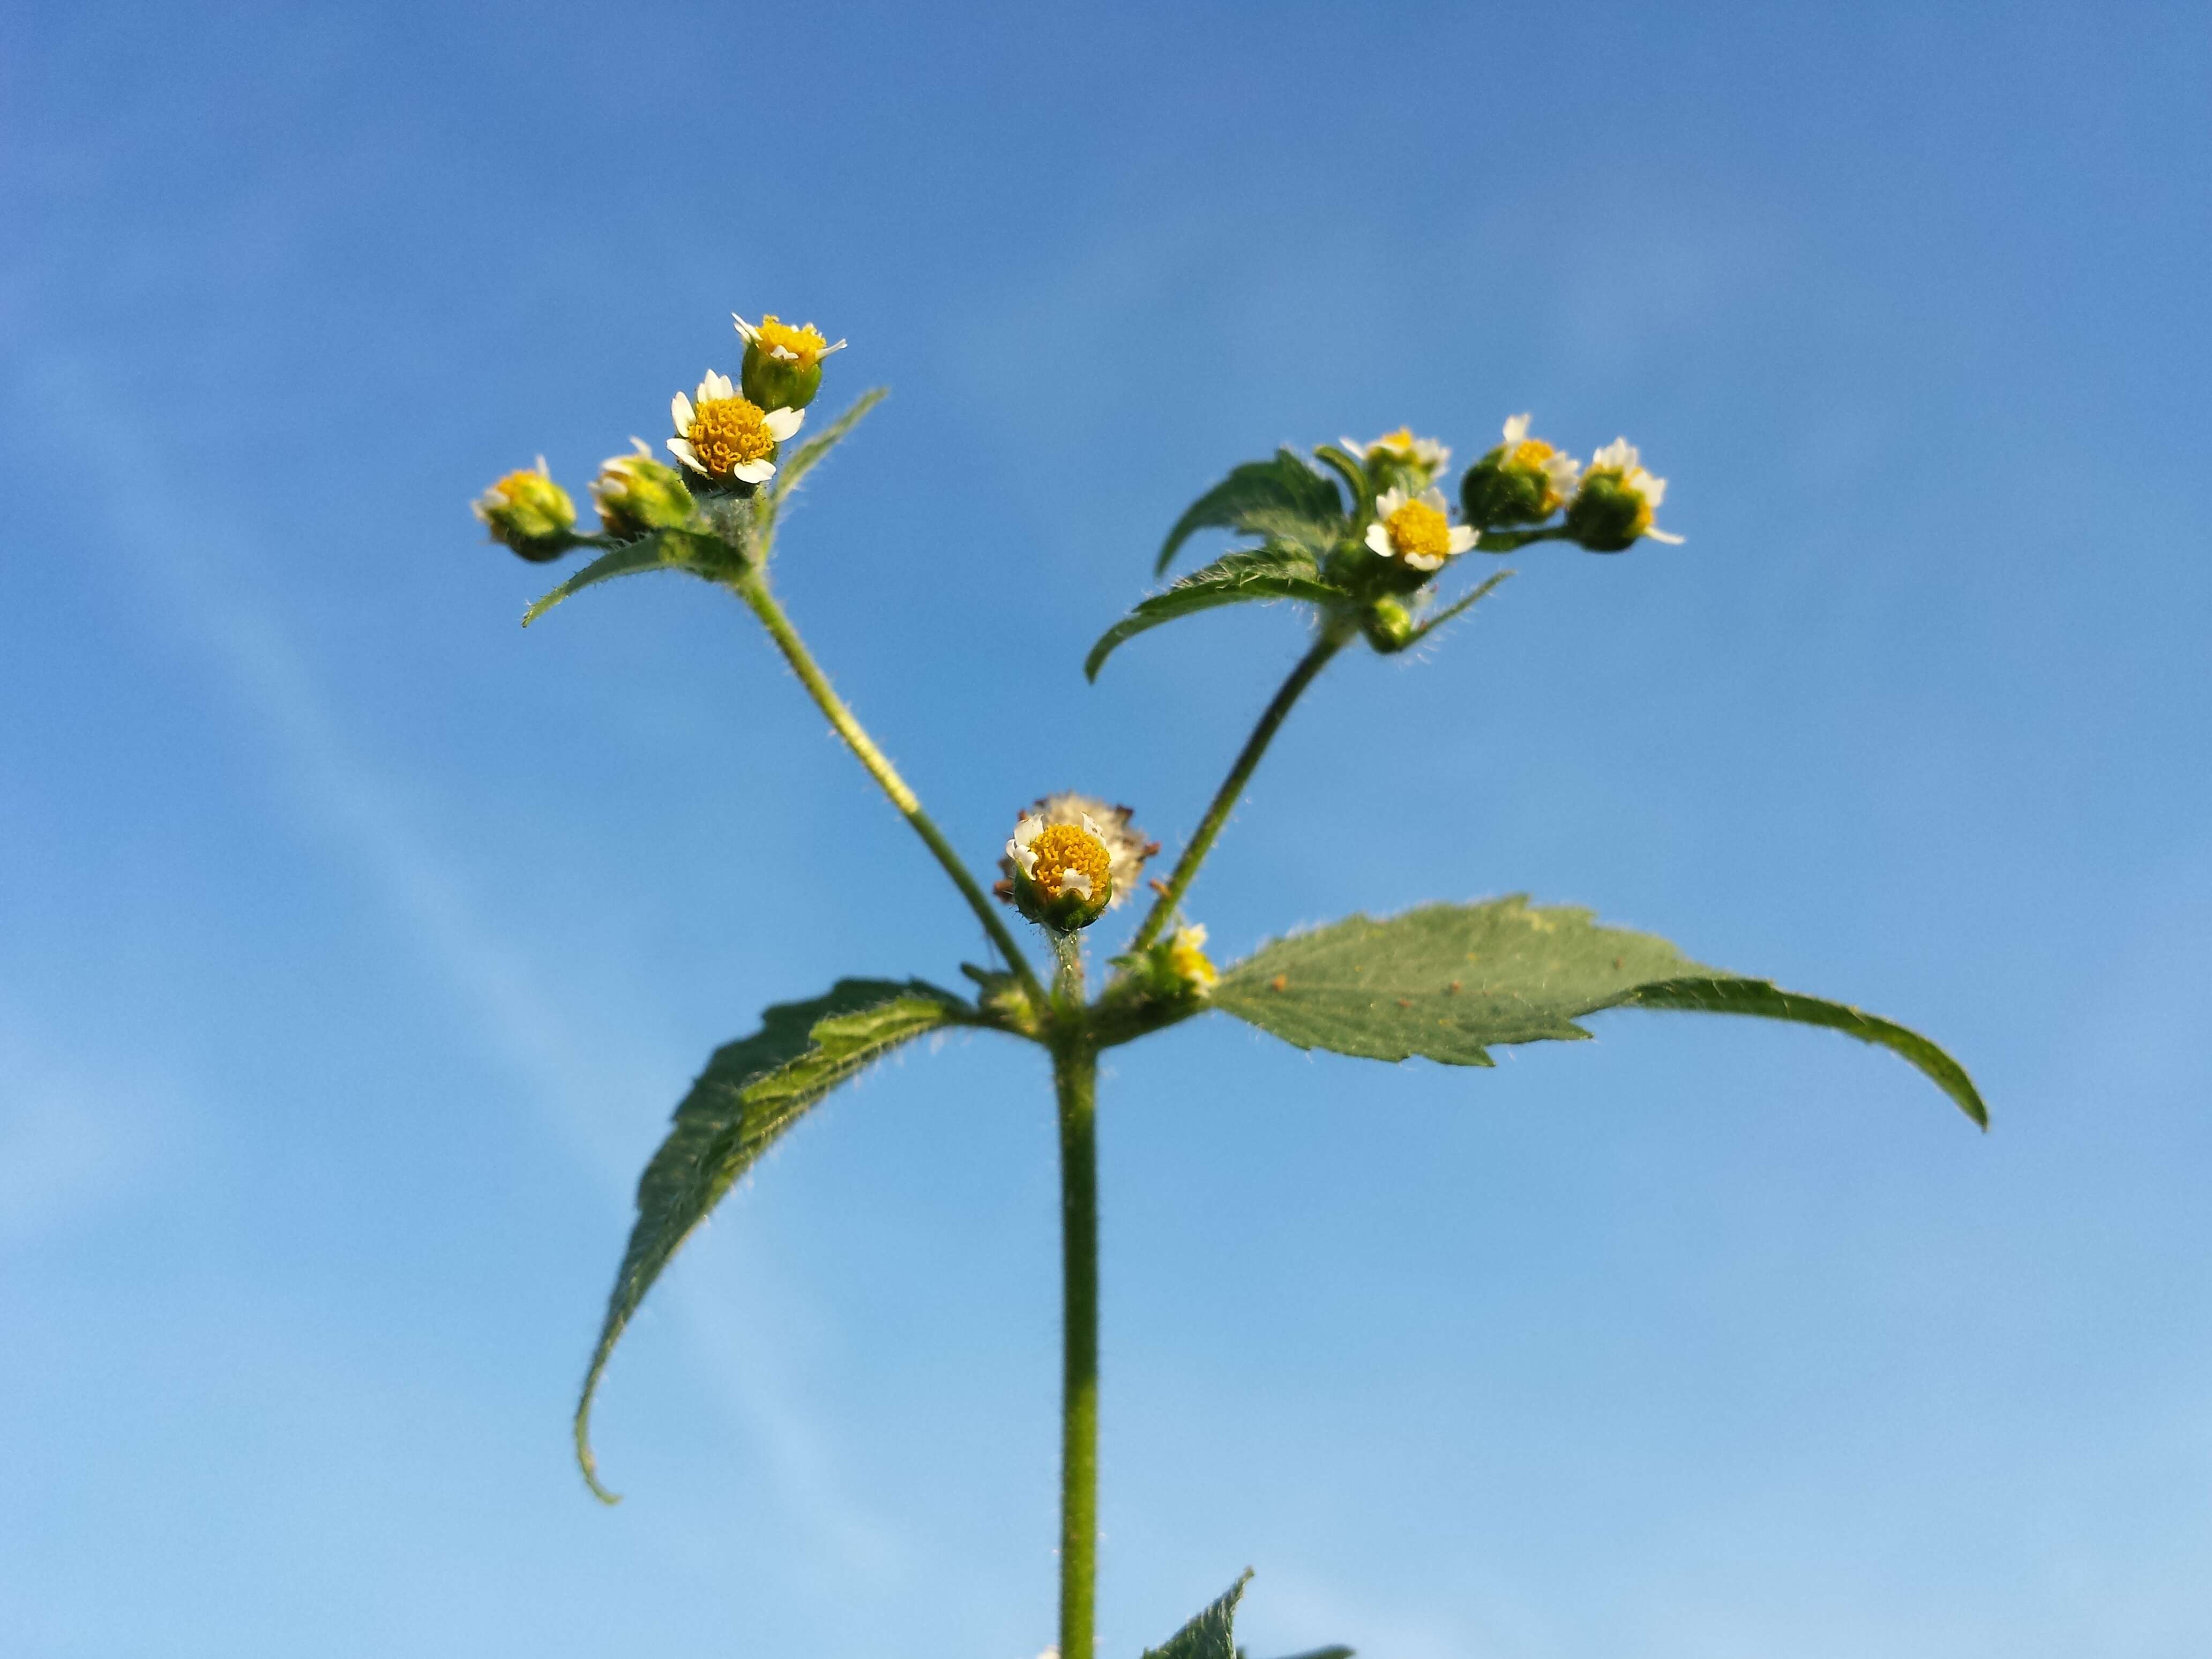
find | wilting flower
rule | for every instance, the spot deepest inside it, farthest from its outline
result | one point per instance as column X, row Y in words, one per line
column 529, row 512
column 727, row 437
column 1614, row 506
column 1415, row 531
column 1522, row 481
column 636, row 495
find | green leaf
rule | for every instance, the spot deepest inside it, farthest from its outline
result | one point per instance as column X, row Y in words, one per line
column 802, row 460
column 1273, row 572
column 1448, row 981
column 1466, row 601
column 752, row 1091
column 1282, row 498
column 1337, row 1652
column 1209, row 1636
column 653, row 552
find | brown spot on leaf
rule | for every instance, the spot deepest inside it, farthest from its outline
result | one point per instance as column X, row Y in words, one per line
column 1280, row 982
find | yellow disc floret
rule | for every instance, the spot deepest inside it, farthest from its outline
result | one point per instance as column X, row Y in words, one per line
column 1401, row 441
column 1062, row 849
column 1419, row 531
column 803, row 345
column 1186, row 958
column 727, row 432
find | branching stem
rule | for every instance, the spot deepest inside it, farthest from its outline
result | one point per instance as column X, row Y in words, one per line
column 1335, row 635
column 752, row 588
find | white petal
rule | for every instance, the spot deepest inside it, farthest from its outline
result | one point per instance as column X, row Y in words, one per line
column 1516, row 429
column 784, row 422
column 1352, row 448
column 1619, row 453
column 1090, row 828
column 1379, row 539
column 1075, row 882
column 1668, row 537
column 827, row 350
column 682, row 450
column 1393, row 498
column 679, row 410
column 745, row 328
column 1654, row 490
column 1029, row 829
column 1425, row 562
column 639, row 444
column 1434, row 498
column 1025, row 860
column 716, row 385
column 753, row 472
column 1462, row 538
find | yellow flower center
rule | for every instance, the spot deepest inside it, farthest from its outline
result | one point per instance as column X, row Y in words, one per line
column 727, row 432
column 1190, row 963
column 515, row 485
column 1061, row 848
column 804, row 343
column 1417, row 529
column 1531, row 453
column 1401, row 441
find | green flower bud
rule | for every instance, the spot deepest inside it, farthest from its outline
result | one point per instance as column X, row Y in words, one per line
column 1388, row 624
column 636, row 495
column 1613, row 508
column 1523, row 481
column 530, row 513
column 783, row 364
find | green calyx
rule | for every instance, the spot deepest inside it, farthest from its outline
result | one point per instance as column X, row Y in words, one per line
column 1066, row 911
column 775, row 382
column 1607, row 513
column 1496, row 492
column 636, row 495
column 527, row 512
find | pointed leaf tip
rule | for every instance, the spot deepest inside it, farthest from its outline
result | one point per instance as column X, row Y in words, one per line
column 1448, row 981
column 752, row 1091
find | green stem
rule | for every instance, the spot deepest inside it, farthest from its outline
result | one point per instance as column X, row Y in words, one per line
column 1075, row 1083
column 752, row 588
column 1335, row 635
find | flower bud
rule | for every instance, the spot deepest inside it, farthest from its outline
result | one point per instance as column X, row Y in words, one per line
column 1388, row 624
column 783, row 364
column 1399, row 460
column 1613, row 508
column 636, row 496
column 1523, row 481
column 530, row 513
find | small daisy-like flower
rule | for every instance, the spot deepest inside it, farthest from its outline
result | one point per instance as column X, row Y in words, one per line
column 1523, row 481
column 1186, row 958
column 1415, row 531
column 1426, row 453
column 803, row 345
column 727, row 437
column 1614, row 506
column 529, row 512
column 1126, row 846
column 1063, row 872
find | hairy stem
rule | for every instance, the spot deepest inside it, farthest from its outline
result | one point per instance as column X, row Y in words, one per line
column 1333, row 637
column 752, row 588
column 1075, row 1083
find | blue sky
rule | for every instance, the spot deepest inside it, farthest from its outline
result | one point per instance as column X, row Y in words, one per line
column 355, row 945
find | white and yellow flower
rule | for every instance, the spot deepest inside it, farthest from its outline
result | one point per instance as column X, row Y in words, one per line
column 727, row 437
column 1417, row 531
column 1614, row 504
column 1427, row 453
column 1188, row 961
column 804, row 345
column 1524, row 453
column 1063, row 872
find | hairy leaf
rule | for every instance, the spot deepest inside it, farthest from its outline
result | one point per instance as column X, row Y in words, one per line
column 1274, row 571
column 1210, row 1635
column 1448, row 981
column 1281, row 498
column 802, row 460
column 657, row 551
column 752, row 1091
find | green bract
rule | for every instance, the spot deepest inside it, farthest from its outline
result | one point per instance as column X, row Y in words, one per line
column 1357, row 538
